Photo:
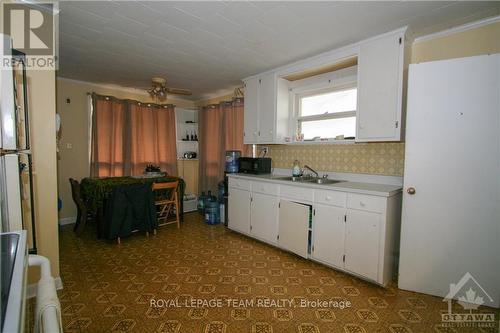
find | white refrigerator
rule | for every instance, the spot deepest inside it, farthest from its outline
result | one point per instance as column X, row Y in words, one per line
column 450, row 232
column 16, row 178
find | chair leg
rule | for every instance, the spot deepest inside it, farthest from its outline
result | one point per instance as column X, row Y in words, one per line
column 147, row 233
column 118, row 240
column 177, row 211
column 154, row 231
column 78, row 217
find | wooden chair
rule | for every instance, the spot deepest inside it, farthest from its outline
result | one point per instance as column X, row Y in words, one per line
column 82, row 211
column 165, row 203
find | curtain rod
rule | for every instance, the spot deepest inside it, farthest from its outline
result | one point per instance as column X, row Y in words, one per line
column 131, row 100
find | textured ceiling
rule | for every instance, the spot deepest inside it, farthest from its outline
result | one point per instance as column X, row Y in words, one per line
column 209, row 46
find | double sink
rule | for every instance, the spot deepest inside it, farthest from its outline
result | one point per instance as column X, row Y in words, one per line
column 305, row 179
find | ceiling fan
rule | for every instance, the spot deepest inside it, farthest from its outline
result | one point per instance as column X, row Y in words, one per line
column 159, row 89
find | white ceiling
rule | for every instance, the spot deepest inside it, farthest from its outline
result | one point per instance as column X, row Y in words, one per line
column 209, row 46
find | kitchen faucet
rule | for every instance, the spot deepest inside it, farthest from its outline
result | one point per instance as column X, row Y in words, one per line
column 312, row 170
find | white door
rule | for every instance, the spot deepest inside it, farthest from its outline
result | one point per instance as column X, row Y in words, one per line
column 251, row 111
column 264, row 217
column 267, row 103
column 450, row 225
column 380, row 70
column 239, row 210
column 294, row 227
column 362, row 243
column 328, row 232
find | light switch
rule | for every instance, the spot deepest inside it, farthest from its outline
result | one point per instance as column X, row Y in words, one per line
column 69, row 146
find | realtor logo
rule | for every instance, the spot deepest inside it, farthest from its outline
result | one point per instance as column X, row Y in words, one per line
column 470, row 296
column 31, row 30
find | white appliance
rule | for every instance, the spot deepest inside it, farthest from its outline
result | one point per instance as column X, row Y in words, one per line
column 451, row 215
column 16, row 190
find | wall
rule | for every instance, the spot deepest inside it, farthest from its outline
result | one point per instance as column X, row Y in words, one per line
column 74, row 138
column 371, row 158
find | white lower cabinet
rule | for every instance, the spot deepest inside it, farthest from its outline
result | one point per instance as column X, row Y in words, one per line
column 362, row 234
column 328, row 234
column 294, row 227
column 264, row 217
column 356, row 233
column 239, row 210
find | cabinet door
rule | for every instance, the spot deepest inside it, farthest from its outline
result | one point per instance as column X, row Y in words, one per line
column 362, row 243
column 294, row 227
column 190, row 176
column 380, row 84
column 267, row 108
column 239, row 210
column 251, row 113
column 329, row 231
column 264, row 217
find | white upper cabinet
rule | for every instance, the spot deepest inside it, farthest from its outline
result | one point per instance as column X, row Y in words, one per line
column 269, row 103
column 266, row 109
column 251, row 120
column 380, row 88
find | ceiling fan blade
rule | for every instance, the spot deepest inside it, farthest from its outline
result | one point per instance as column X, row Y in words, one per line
column 177, row 91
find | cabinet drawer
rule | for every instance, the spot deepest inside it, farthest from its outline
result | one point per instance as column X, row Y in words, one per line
column 239, row 183
column 330, row 198
column 297, row 193
column 369, row 203
column 265, row 188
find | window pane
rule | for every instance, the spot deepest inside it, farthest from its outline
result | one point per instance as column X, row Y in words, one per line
column 329, row 128
column 337, row 101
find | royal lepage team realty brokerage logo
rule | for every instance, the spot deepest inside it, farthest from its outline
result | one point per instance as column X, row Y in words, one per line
column 31, row 28
column 470, row 296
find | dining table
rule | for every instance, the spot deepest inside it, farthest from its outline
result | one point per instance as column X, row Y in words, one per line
column 96, row 190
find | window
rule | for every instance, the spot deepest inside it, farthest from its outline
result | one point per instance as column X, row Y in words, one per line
column 327, row 113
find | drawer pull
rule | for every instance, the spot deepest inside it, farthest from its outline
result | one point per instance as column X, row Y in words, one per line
column 362, row 204
column 327, row 198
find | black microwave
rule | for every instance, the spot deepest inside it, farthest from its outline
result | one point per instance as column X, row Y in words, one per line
column 255, row 165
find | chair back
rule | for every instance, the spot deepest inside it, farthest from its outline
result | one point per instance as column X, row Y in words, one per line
column 76, row 193
column 166, row 186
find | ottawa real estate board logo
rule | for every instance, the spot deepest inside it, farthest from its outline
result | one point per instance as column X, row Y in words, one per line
column 470, row 296
column 29, row 28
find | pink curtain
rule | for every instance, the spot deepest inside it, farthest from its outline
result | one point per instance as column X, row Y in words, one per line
column 128, row 135
column 211, row 147
column 108, row 138
column 152, row 137
column 221, row 129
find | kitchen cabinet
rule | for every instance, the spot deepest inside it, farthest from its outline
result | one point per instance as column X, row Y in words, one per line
column 264, row 217
column 362, row 243
column 380, row 88
column 328, row 234
column 266, row 112
column 294, row 227
column 189, row 171
column 354, row 232
column 239, row 210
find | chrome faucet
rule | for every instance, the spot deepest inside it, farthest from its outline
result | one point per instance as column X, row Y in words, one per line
column 312, row 170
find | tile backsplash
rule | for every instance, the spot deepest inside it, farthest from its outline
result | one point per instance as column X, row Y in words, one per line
column 369, row 158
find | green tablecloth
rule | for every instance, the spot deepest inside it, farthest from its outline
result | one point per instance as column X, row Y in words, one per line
column 96, row 190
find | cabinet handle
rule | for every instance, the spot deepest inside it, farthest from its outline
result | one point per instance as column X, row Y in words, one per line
column 327, row 198
column 411, row 190
column 362, row 204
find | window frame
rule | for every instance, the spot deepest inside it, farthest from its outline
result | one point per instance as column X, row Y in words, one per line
column 298, row 119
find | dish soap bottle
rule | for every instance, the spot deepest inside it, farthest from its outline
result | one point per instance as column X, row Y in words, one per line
column 296, row 170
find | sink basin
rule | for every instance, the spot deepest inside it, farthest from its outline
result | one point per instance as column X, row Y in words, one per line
column 324, row 181
column 294, row 179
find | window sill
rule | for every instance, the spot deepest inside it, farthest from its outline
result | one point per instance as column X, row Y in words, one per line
column 330, row 142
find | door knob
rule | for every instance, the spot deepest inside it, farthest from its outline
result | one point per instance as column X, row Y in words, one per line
column 411, row 190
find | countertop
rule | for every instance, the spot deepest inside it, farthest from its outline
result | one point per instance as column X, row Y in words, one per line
column 384, row 190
